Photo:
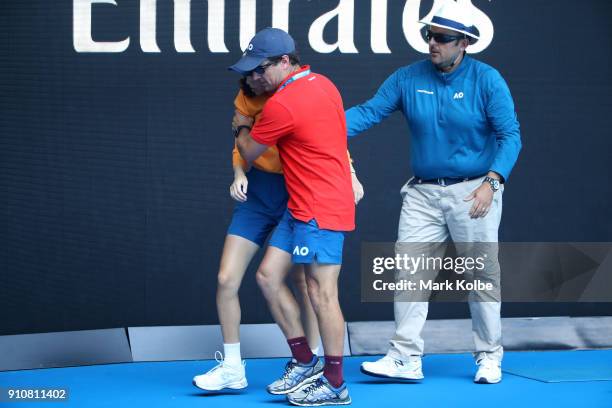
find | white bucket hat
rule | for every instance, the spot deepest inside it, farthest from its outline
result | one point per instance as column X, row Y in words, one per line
column 454, row 17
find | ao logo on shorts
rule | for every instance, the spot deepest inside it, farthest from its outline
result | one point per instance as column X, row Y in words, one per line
column 303, row 251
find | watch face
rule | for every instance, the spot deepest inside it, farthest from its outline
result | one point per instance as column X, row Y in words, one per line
column 495, row 184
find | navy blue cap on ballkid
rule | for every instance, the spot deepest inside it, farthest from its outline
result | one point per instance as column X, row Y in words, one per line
column 269, row 42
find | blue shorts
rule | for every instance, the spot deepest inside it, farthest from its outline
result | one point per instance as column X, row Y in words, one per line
column 265, row 205
column 306, row 242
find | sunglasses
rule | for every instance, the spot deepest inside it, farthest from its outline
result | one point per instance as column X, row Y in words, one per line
column 260, row 69
column 442, row 38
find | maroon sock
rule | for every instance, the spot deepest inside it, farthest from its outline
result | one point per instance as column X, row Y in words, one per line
column 300, row 350
column 333, row 370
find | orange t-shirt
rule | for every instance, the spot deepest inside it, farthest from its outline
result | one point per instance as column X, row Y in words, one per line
column 269, row 161
column 252, row 107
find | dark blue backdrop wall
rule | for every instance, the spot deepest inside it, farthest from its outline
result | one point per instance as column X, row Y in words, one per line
column 115, row 167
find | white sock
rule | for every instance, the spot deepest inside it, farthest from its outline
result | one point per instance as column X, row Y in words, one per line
column 316, row 350
column 231, row 353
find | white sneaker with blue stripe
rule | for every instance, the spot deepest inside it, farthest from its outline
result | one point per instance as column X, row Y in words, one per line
column 489, row 370
column 388, row 367
column 296, row 375
column 320, row 393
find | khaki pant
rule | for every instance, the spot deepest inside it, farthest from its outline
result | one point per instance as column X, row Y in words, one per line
column 433, row 213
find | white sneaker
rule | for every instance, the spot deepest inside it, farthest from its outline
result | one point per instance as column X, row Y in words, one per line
column 320, row 393
column 222, row 376
column 296, row 376
column 388, row 367
column 489, row 371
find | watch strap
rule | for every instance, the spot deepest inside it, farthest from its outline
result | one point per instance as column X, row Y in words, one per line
column 239, row 128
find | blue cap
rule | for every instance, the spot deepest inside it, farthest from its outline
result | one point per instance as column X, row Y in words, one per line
column 269, row 42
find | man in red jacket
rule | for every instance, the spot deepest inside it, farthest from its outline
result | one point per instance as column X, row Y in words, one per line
column 305, row 119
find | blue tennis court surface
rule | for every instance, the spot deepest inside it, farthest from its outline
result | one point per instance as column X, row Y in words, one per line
column 448, row 383
column 561, row 366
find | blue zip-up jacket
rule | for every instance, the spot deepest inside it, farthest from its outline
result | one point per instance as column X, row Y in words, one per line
column 463, row 124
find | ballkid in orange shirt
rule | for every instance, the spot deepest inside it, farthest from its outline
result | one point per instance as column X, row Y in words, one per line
column 252, row 221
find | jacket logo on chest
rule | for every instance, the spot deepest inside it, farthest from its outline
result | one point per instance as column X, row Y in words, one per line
column 458, row 95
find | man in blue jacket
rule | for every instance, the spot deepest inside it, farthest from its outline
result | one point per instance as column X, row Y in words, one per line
column 465, row 141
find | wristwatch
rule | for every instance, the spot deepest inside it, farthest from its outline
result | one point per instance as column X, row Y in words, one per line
column 237, row 130
column 494, row 183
